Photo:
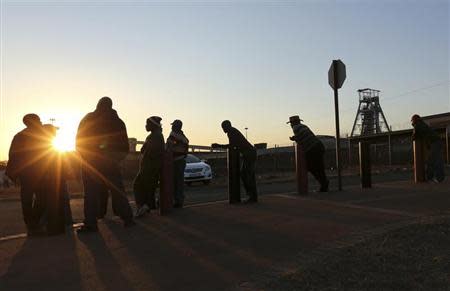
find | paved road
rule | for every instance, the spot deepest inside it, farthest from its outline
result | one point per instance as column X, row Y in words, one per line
column 11, row 221
column 212, row 246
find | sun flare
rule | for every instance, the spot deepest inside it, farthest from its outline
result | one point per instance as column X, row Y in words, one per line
column 64, row 140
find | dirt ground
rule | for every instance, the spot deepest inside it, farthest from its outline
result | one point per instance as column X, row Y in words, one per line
column 416, row 257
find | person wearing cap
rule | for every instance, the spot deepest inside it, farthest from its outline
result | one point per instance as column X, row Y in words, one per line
column 147, row 179
column 313, row 148
column 102, row 143
column 178, row 144
column 435, row 162
column 25, row 162
column 237, row 140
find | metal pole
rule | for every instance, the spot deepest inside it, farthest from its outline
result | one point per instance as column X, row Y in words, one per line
column 447, row 142
column 364, row 164
column 390, row 148
column 349, row 145
column 166, row 186
column 234, row 187
column 338, row 138
column 301, row 170
column 419, row 163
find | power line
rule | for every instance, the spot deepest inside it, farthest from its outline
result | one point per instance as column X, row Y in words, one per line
column 391, row 98
column 415, row 91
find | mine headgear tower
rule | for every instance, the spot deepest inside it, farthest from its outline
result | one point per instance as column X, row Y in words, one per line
column 370, row 118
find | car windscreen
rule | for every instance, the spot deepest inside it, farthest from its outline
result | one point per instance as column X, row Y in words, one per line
column 192, row 159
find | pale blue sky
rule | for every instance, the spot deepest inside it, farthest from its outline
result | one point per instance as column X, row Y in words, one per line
column 253, row 62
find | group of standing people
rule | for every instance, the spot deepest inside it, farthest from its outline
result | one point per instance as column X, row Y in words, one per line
column 41, row 173
column 154, row 151
column 102, row 143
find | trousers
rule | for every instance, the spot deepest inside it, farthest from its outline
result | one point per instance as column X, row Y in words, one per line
column 248, row 175
column 315, row 163
column 99, row 180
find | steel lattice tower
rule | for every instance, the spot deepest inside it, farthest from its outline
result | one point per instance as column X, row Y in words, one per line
column 370, row 118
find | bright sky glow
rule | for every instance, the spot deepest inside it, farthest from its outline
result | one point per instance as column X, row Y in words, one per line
column 65, row 138
column 67, row 128
column 253, row 62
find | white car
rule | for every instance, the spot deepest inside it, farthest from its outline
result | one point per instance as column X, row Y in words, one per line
column 196, row 170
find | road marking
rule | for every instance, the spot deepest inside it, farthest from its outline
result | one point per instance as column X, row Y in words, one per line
column 288, row 195
column 24, row 235
column 12, row 237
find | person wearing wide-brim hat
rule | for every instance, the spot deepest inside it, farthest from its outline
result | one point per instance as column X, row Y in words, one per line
column 313, row 148
column 147, row 179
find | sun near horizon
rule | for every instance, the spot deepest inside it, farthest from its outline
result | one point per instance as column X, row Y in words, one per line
column 64, row 140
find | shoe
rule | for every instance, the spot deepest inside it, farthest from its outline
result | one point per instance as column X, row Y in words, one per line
column 435, row 180
column 129, row 223
column 141, row 211
column 87, row 229
column 250, row 200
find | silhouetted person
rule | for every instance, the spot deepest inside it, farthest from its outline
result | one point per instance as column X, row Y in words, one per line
column 25, row 166
column 178, row 144
column 313, row 148
column 102, row 143
column 147, row 179
column 239, row 142
column 435, row 161
column 54, row 186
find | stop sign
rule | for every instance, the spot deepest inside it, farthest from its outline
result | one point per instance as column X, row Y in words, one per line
column 336, row 74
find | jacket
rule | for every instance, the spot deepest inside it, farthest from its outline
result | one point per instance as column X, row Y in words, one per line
column 152, row 151
column 304, row 136
column 101, row 136
column 178, row 144
column 26, row 154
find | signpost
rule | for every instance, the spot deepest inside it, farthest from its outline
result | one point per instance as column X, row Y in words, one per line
column 336, row 77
